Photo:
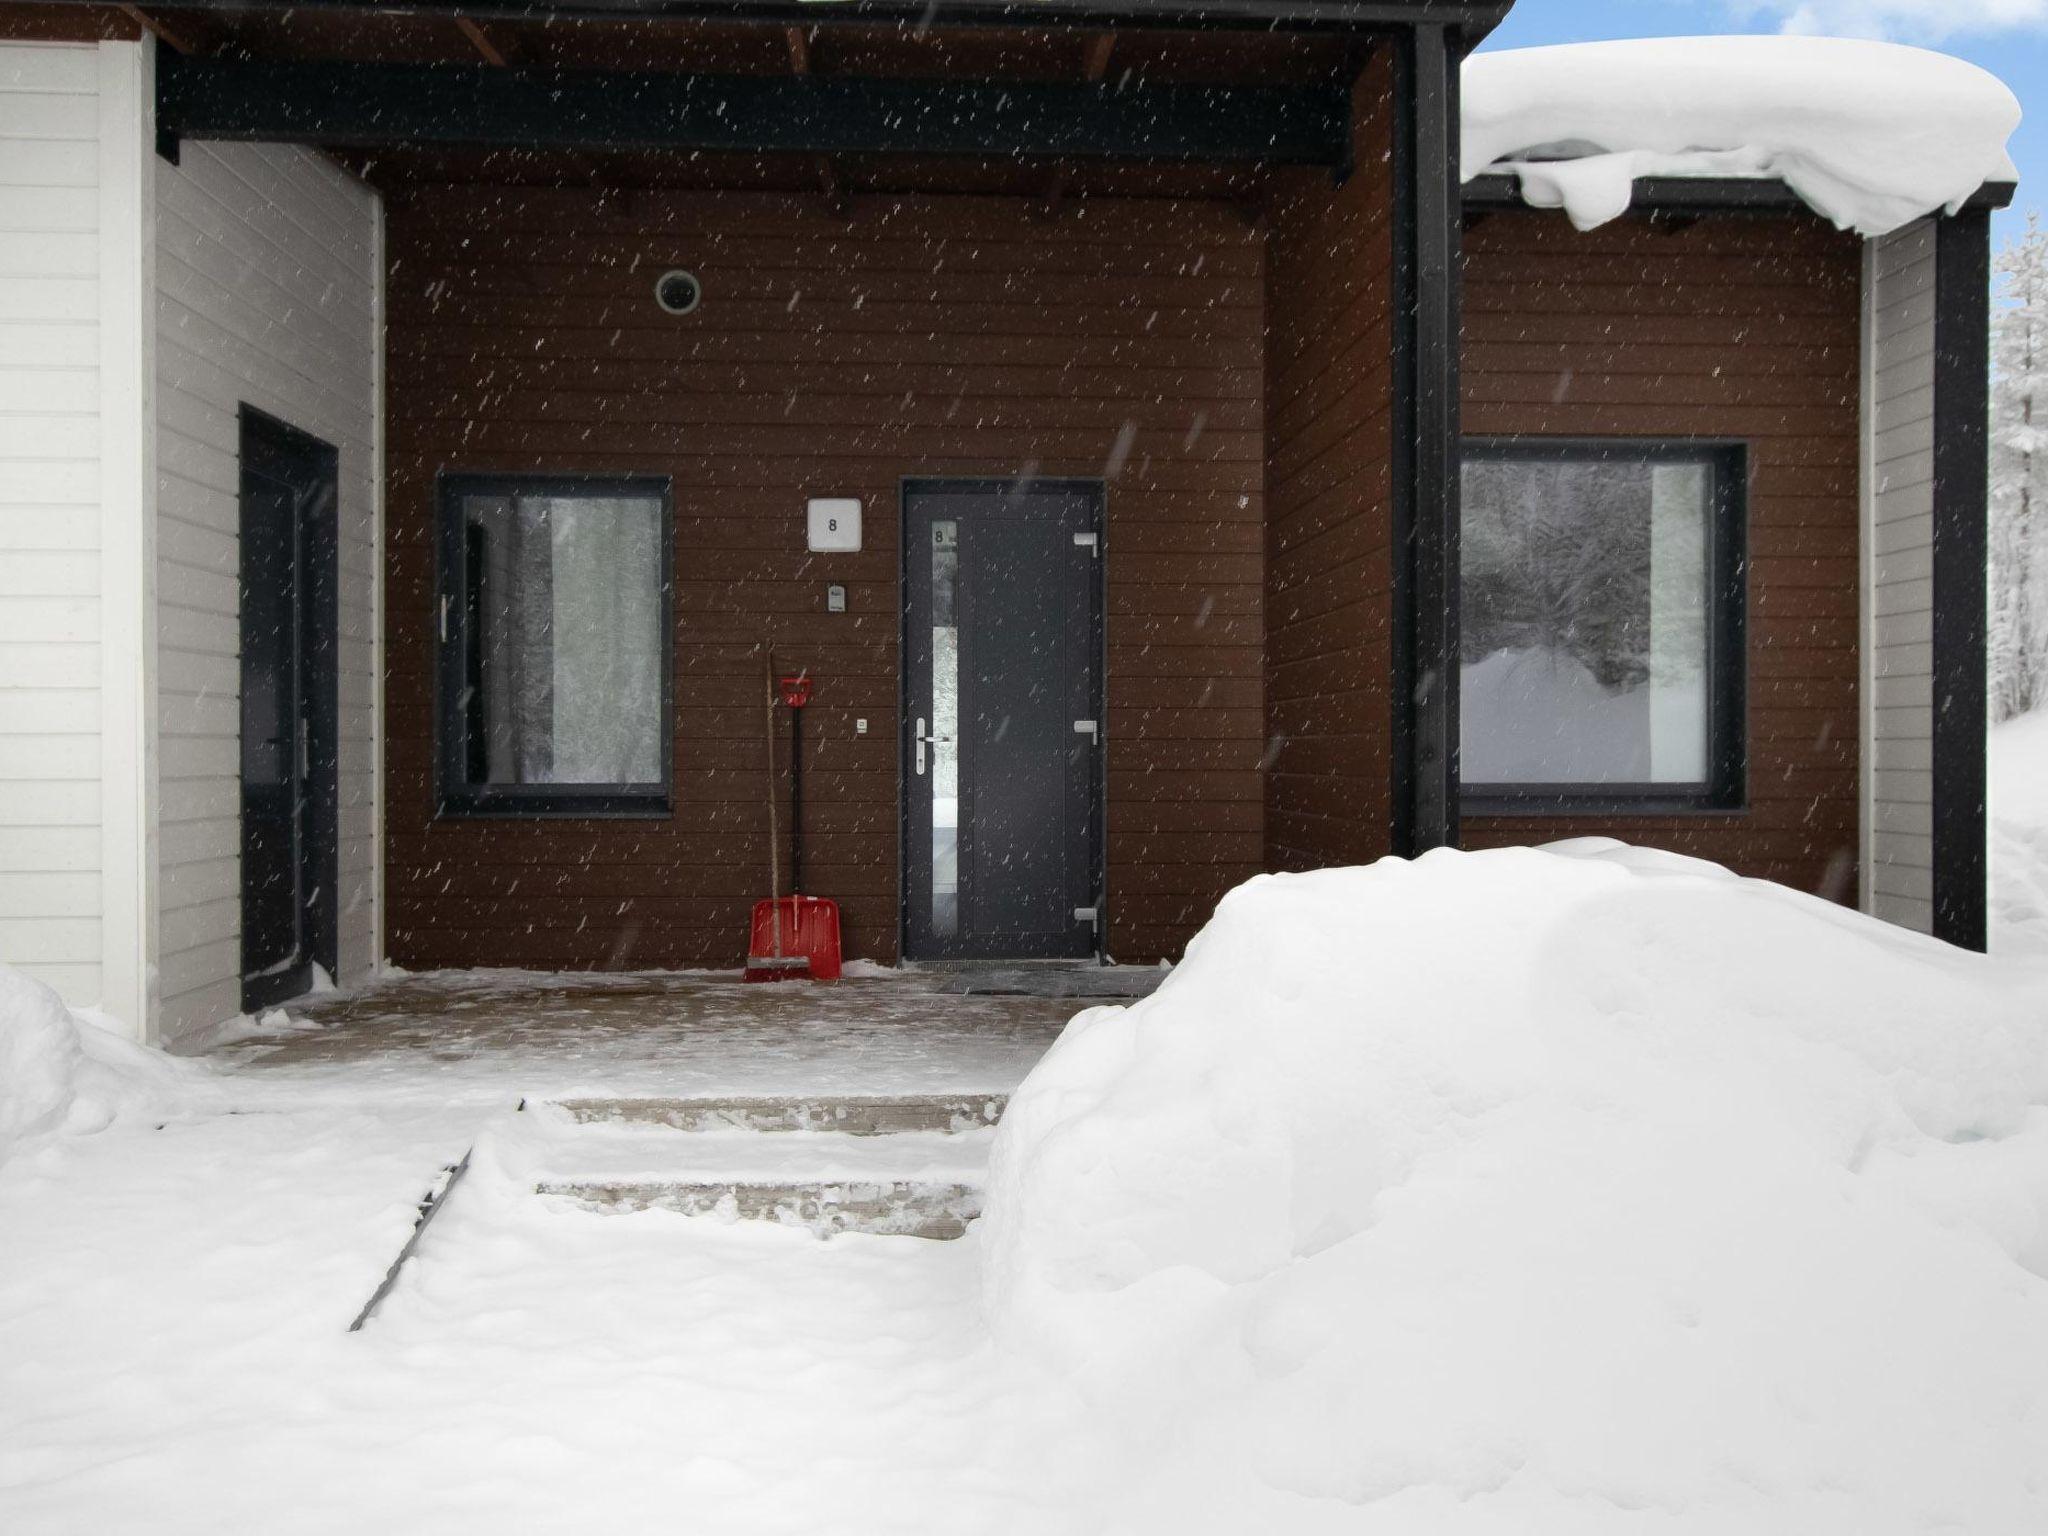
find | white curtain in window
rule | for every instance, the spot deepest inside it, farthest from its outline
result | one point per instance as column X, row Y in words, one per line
column 1679, row 507
column 607, row 640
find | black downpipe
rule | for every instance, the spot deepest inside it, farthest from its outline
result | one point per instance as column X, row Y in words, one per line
column 1428, row 219
column 1962, row 374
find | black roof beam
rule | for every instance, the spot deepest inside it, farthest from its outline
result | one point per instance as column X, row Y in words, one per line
column 383, row 105
column 1472, row 18
column 1695, row 196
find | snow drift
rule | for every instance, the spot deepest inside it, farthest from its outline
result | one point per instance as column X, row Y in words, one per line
column 2019, row 836
column 1568, row 1189
column 60, row 1072
column 1872, row 135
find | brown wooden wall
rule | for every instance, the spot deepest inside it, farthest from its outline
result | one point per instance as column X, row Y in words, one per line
column 1329, row 381
column 1739, row 328
column 31, row 23
column 919, row 336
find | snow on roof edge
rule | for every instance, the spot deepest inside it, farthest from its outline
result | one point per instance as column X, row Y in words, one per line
column 1870, row 135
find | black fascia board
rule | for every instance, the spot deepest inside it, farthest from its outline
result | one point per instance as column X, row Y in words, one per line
column 1501, row 191
column 379, row 105
column 1472, row 19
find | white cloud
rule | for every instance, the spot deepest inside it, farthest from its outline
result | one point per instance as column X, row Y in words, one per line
column 1914, row 21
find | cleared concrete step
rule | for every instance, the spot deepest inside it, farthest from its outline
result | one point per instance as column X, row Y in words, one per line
column 909, row 1183
column 901, row 1208
column 857, row 1115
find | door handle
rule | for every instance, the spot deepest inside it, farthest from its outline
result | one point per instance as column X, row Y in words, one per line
column 1091, row 729
column 924, row 738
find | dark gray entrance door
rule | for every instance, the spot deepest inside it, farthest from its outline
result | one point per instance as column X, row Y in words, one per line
column 289, row 709
column 1002, row 647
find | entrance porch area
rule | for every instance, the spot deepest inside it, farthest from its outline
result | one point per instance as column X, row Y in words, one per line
column 463, row 1035
column 1077, row 329
column 865, row 1105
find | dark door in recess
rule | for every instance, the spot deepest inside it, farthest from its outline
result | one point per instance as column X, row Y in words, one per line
column 1002, row 773
column 289, row 708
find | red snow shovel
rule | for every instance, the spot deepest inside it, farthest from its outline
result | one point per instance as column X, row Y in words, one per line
column 794, row 937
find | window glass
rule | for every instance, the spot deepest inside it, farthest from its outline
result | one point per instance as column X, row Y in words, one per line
column 945, row 734
column 1586, row 631
column 563, row 633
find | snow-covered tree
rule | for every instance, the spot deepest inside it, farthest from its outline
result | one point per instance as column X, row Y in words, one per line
column 2019, row 478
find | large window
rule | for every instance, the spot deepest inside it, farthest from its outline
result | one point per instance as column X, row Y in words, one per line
column 1601, row 626
column 554, row 633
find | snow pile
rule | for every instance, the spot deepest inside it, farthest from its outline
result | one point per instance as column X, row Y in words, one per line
column 273, row 1024
column 1872, row 135
column 2019, row 836
column 60, row 1072
column 1574, row 1189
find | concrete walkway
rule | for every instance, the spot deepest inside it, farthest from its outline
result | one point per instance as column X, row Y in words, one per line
column 663, row 1033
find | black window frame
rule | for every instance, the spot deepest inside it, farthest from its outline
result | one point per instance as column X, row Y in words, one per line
column 456, row 795
column 1725, row 789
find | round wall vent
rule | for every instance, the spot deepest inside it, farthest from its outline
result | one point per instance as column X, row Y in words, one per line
column 678, row 292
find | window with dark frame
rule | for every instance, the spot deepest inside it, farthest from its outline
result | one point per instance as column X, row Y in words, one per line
column 1601, row 624
column 555, row 645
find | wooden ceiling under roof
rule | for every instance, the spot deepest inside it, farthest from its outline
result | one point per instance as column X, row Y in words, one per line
column 751, row 49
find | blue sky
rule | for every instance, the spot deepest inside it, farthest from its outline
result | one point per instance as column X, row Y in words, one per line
column 2007, row 37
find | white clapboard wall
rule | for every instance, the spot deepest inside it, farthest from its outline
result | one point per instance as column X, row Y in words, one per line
column 268, row 293
column 52, row 709
column 1898, row 561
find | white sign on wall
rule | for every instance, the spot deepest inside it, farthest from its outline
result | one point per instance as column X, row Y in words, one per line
column 835, row 525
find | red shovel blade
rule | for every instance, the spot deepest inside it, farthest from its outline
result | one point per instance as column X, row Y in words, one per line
column 810, row 940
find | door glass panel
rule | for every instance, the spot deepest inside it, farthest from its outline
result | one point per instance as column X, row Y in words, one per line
column 273, row 917
column 270, row 650
column 945, row 730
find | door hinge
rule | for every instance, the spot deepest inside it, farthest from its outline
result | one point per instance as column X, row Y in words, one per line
column 444, row 617
column 1092, row 542
column 1087, row 915
column 1089, row 728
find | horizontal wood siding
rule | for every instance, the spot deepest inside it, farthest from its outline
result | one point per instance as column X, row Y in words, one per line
column 1742, row 328
column 50, row 548
column 1328, row 487
column 918, row 337
column 28, row 21
column 266, row 295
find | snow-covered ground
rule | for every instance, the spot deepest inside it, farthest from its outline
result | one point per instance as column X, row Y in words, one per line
column 1565, row 1191
column 176, row 1286
column 2019, row 836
